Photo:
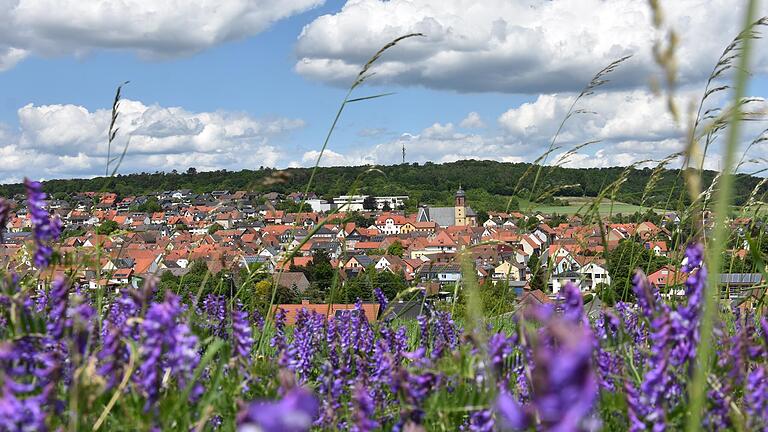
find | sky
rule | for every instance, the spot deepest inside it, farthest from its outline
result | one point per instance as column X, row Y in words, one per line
column 248, row 83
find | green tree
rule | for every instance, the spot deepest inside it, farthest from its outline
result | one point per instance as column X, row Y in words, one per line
column 151, row 205
column 396, row 249
column 537, row 273
column 215, row 227
column 625, row 260
column 107, row 227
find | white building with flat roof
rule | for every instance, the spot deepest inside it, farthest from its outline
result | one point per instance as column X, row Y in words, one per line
column 357, row 202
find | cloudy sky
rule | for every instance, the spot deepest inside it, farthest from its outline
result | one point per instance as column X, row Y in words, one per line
column 248, row 83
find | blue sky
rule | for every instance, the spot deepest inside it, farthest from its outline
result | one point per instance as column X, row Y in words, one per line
column 259, row 91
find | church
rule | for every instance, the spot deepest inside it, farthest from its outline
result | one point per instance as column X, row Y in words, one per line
column 459, row 215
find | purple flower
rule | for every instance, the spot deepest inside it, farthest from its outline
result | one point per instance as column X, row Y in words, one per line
column 59, row 301
column 511, row 413
column 214, row 309
column 30, row 371
column 168, row 344
column 564, row 385
column 424, row 330
column 257, row 319
column 241, row 334
column 307, row 336
column 21, row 414
column 278, row 340
column 295, row 412
column 5, row 210
column 45, row 228
column 500, row 348
column 756, row 398
column 364, row 410
column 572, row 303
column 481, row 421
column 381, row 298
column 685, row 319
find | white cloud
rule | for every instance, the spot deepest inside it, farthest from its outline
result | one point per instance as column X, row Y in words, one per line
column 67, row 140
column 153, row 29
column 538, row 46
column 631, row 126
column 472, row 121
column 618, row 115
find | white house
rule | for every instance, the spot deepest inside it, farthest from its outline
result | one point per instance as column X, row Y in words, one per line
column 594, row 274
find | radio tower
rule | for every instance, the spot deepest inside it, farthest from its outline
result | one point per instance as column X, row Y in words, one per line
column 403, row 153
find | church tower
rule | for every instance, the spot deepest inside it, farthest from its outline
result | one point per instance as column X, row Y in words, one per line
column 460, row 208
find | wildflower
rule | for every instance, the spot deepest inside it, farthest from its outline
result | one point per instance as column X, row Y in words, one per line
column 21, row 414
column 278, row 340
column 45, row 228
column 29, row 371
column 381, row 298
column 167, row 344
column 215, row 311
column 756, row 397
column 364, row 410
column 685, row 319
column 424, row 331
column 5, row 209
column 59, row 301
column 241, row 333
column 295, row 412
column 564, row 385
column 572, row 303
column 481, row 421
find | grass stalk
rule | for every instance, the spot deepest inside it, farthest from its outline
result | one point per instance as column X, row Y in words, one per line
column 714, row 253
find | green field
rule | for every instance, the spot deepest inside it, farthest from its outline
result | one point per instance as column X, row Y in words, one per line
column 577, row 204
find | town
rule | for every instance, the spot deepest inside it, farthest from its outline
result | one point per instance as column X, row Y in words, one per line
column 355, row 242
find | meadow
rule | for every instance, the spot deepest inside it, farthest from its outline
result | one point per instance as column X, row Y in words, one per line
column 146, row 359
column 578, row 205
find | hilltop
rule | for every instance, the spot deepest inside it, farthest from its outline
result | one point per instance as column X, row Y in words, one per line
column 484, row 181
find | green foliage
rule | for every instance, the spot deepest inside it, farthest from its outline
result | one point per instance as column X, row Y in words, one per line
column 488, row 183
column 537, row 281
column 396, row 248
column 151, row 205
column 107, row 227
column 624, row 261
column 77, row 232
column 214, row 227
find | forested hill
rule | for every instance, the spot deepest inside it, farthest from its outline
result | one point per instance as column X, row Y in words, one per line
column 427, row 183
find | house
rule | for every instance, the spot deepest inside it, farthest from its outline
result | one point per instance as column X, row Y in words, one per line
column 390, row 223
column 358, row 262
column 594, row 274
column 294, row 280
column 558, row 281
column 442, row 273
column 458, row 215
column 735, row 286
column 659, row 248
column 507, row 271
column 667, row 276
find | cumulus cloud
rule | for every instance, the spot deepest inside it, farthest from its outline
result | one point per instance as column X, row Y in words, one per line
column 537, row 46
column 472, row 121
column 617, row 116
column 159, row 29
column 70, row 141
column 627, row 127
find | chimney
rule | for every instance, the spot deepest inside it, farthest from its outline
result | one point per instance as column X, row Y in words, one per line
column 305, row 302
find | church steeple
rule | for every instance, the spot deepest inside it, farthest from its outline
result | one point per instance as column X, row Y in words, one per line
column 460, row 208
column 460, row 197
